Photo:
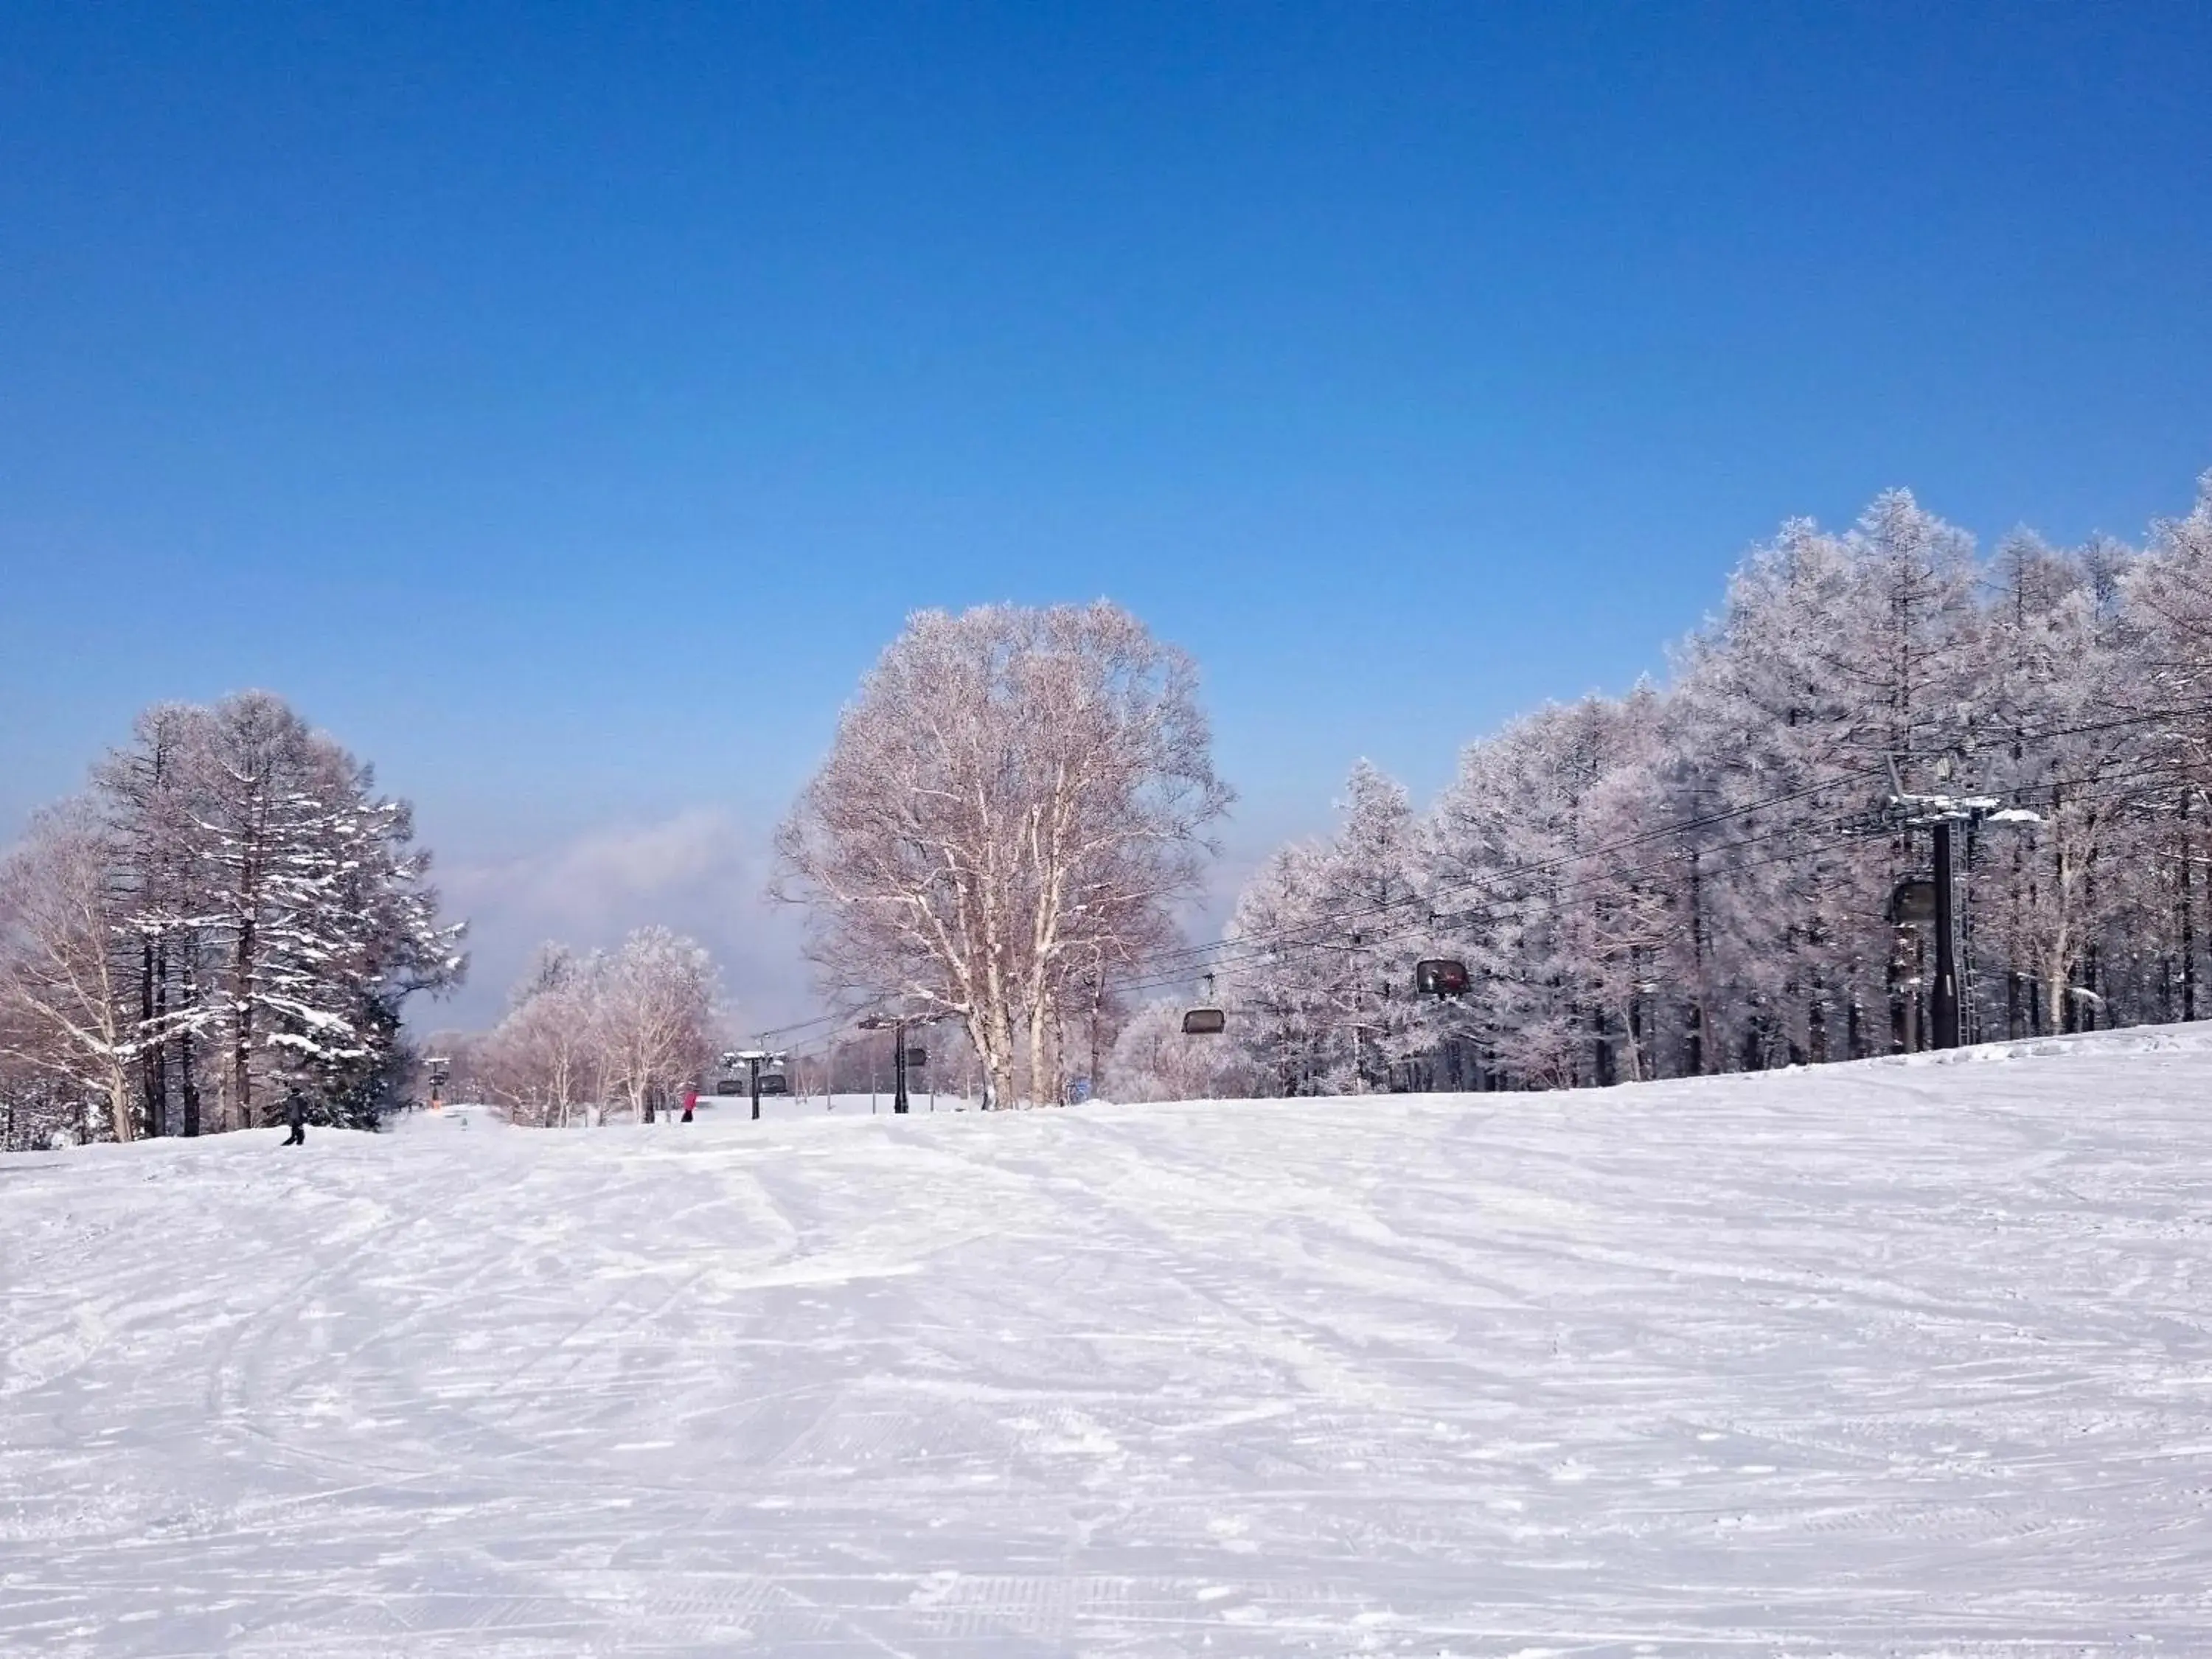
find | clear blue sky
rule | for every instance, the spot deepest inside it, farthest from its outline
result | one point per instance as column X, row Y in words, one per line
column 562, row 404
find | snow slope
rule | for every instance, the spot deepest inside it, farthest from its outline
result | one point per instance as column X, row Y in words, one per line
column 1886, row 1359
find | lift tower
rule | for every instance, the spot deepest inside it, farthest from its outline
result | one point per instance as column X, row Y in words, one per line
column 1941, row 815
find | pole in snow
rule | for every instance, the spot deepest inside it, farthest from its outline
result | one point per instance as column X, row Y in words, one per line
column 1943, row 1006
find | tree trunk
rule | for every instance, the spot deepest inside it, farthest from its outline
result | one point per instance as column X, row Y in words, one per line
column 991, row 1031
column 241, row 1054
column 153, row 1005
column 2188, row 919
column 188, row 1083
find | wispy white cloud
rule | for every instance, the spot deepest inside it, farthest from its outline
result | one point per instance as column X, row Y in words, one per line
column 700, row 872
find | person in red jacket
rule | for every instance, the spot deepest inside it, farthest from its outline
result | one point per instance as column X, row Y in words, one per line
column 690, row 1099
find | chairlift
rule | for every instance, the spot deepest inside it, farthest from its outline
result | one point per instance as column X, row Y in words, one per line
column 1440, row 976
column 1206, row 1020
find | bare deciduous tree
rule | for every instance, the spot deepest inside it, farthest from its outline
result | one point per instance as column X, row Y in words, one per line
column 654, row 1018
column 1013, row 806
column 636, row 1025
column 62, row 983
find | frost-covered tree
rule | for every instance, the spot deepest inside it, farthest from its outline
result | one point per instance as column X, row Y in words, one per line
column 1700, row 878
column 64, row 1010
column 265, row 916
column 632, row 1027
column 1278, row 966
column 1832, row 654
column 2057, row 661
column 1557, row 934
column 1153, row 1059
column 319, row 921
column 1013, row 807
column 146, row 792
column 541, row 1061
column 2165, row 605
column 654, row 1018
column 1322, row 949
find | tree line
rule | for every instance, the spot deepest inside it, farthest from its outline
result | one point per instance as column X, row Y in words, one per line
column 229, row 912
column 1698, row 877
column 1019, row 803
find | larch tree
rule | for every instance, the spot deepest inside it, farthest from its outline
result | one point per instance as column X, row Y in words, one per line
column 146, row 793
column 1700, row 878
column 263, row 916
column 1285, row 1017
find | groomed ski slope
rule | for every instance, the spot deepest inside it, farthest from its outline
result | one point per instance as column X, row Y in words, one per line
column 1884, row 1358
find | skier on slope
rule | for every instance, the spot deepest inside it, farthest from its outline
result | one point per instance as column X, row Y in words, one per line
column 690, row 1100
column 295, row 1113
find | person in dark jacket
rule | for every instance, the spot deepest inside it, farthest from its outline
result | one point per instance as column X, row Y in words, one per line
column 295, row 1113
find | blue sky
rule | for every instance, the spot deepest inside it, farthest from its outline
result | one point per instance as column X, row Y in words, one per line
column 564, row 404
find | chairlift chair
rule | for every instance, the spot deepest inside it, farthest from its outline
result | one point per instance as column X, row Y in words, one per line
column 1206, row 1020
column 1440, row 976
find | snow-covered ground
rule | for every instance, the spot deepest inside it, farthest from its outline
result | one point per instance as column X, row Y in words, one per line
column 1887, row 1358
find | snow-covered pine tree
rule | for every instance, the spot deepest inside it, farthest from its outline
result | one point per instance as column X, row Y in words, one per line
column 1322, row 948
column 2164, row 601
column 1832, row 654
column 1699, row 879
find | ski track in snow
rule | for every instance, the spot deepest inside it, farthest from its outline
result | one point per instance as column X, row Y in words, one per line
column 1890, row 1358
